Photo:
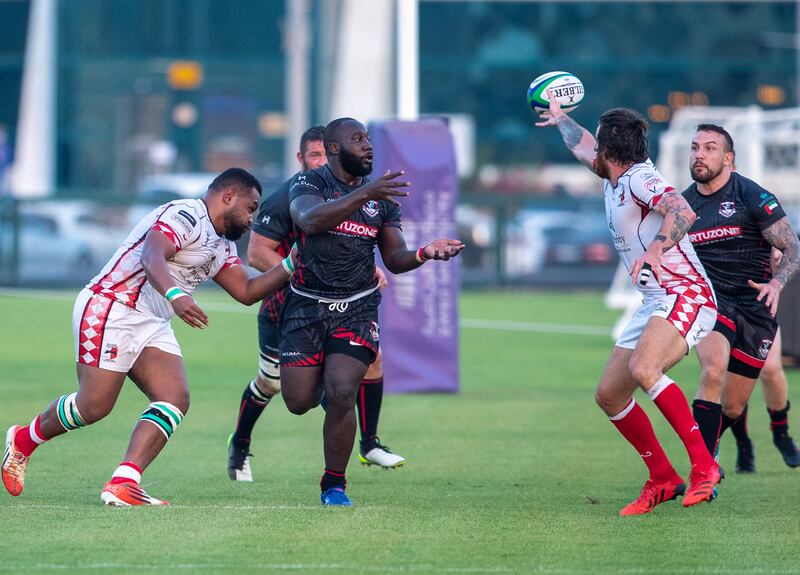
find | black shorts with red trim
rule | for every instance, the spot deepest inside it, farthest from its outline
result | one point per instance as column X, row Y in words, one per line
column 312, row 329
column 750, row 329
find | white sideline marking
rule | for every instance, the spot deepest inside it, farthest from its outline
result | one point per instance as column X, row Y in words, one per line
column 469, row 323
column 161, row 567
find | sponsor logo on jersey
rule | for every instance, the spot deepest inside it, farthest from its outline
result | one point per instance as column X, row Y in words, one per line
column 356, row 229
column 763, row 349
column 653, row 182
column 370, row 208
column 110, row 351
column 265, row 220
column 713, row 234
column 727, row 209
column 188, row 216
column 183, row 222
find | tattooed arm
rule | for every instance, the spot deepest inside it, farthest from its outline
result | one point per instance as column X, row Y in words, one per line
column 678, row 218
column 781, row 236
column 578, row 140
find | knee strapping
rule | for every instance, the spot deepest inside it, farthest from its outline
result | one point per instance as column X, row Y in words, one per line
column 68, row 415
column 269, row 369
column 165, row 416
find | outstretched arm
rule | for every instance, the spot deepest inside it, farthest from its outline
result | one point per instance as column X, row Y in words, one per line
column 398, row 258
column 314, row 215
column 781, row 236
column 244, row 289
column 577, row 139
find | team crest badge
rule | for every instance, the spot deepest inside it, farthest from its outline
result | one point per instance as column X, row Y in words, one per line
column 727, row 209
column 373, row 331
column 370, row 208
column 763, row 349
column 110, row 352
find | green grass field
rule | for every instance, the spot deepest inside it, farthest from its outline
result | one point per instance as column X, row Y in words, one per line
column 519, row 473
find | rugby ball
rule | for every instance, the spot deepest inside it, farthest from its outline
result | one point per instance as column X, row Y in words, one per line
column 568, row 90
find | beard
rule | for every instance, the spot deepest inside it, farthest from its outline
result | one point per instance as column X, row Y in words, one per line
column 233, row 229
column 601, row 167
column 703, row 173
column 353, row 165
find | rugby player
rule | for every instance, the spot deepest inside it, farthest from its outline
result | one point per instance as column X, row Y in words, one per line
column 648, row 220
column 121, row 327
column 737, row 222
column 271, row 238
column 329, row 331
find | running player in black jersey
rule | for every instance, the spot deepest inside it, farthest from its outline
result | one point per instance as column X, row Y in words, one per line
column 271, row 238
column 329, row 329
column 775, row 389
column 737, row 222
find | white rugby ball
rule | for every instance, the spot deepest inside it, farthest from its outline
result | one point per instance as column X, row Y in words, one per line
column 567, row 89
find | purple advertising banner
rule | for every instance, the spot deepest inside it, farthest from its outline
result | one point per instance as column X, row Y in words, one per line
column 419, row 312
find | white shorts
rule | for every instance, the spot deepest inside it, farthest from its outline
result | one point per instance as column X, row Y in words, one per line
column 693, row 320
column 111, row 335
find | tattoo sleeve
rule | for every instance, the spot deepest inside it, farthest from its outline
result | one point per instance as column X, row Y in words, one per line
column 678, row 218
column 571, row 132
column 781, row 235
column 580, row 142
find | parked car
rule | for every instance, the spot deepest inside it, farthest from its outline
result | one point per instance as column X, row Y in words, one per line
column 47, row 255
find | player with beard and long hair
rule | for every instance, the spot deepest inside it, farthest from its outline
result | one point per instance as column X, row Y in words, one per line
column 648, row 220
column 121, row 327
column 329, row 331
column 738, row 224
column 271, row 238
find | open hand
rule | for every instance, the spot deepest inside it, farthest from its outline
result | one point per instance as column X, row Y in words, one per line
column 442, row 249
column 550, row 117
column 386, row 187
column 770, row 292
column 188, row 310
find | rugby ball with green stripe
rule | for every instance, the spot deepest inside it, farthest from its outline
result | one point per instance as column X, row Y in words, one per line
column 567, row 89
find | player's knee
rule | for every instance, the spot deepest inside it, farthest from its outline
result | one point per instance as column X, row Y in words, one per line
column 605, row 401
column 341, row 394
column 771, row 374
column 712, row 376
column 73, row 412
column 297, row 407
column 733, row 408
column 644, row 373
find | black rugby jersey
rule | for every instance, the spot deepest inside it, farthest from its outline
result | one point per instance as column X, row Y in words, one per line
column 275, row 222
column 727, row 234
column 339, row 263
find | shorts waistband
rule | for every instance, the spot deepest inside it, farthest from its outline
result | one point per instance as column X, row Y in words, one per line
column 353, row 297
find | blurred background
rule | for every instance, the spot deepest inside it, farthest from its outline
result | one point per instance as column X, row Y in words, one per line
column 109, row 107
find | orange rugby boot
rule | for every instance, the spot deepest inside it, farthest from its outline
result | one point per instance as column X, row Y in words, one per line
column 127, row 494
column 654, row 493
column 14, row 464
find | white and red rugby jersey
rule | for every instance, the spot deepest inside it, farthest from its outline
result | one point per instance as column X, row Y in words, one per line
column 634, row 224
column 201, row 255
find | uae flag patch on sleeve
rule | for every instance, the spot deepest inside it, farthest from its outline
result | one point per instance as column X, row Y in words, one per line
column 771, row 206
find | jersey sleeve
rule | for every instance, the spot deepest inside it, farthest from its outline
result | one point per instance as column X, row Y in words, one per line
column 306, row 184
column 231, row 257
column 765, row 208
column 180, row 223
column 391, row 215
column 648, row 187
column 273, row 220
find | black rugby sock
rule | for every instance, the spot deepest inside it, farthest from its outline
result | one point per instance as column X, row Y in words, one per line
column 708, row 416
column 739, row 428
column 250, row 409
column 368, row 403
column 331, row 478
column 779, row 420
